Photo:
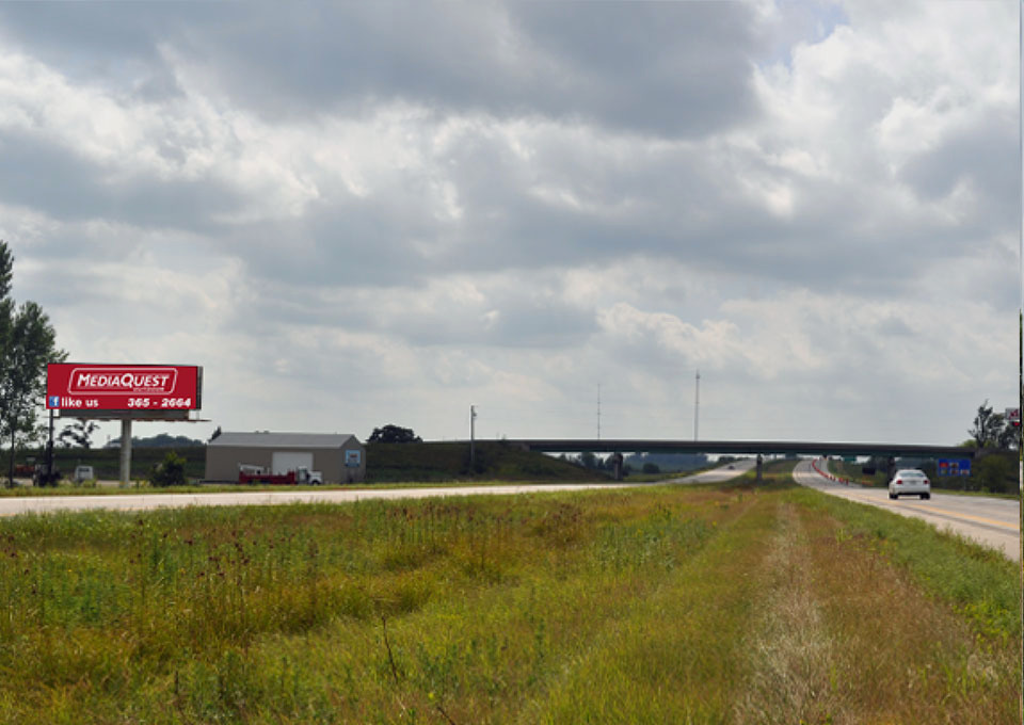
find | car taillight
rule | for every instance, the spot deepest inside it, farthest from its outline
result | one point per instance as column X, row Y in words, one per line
column 927, row 482
column 898, row 482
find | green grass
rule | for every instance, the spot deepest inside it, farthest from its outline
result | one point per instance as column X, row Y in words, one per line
column 65, row 488
column 106, row 462
column 976, row 579
column 438, row 462
column 666, row 604
column 386, row 463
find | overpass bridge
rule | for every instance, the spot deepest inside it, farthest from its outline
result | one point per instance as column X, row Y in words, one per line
column 799, row 448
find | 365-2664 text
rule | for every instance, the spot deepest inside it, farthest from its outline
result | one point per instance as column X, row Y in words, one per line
column 167, row 403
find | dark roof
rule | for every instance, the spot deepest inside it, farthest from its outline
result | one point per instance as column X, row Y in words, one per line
column 266, row 439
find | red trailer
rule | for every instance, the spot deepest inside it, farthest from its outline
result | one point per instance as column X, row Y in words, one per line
column 260, row 474
column 286, row 479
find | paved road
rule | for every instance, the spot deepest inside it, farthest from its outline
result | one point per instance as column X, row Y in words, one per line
column 717, row 475
column 143, row 502
column 994, row 522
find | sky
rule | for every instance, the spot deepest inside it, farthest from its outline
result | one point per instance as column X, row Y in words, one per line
column 360, row 214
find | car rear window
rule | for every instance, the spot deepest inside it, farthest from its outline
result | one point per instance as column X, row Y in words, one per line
column 911, row 474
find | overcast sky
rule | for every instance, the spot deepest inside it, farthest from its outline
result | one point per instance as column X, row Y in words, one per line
column 368, row 213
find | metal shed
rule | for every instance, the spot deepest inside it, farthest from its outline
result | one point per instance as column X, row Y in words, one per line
column 340, row 457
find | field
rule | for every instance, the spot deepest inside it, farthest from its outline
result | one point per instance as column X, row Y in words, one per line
column 450, row 461
column 386, row 463
column 727, row 604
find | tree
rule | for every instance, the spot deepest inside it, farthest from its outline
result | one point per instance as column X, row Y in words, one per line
column 988, row 427
column 588, row 460
column 995, row 473
column 1009, row 436
column 78, row 434
column 393, row 434
column 170, row 472
column 27, row 344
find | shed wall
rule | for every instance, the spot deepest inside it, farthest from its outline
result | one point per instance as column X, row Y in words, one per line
column 222, row 461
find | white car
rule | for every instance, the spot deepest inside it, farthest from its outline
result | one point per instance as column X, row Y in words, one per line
column 910, row 481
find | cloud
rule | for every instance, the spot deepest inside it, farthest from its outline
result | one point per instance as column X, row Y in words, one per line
column 359, row 212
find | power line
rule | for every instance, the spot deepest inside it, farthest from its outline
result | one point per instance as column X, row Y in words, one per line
column 696, row 408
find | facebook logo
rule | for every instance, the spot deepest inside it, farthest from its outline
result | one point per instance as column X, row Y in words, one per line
column 54, row 401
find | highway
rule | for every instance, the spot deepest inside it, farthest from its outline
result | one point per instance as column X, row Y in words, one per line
column 994, row 522
column 991, row 521
column 150, row 501
column 720, row 474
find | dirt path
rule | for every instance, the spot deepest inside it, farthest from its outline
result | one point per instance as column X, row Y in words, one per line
column 792, row 649
column 845, row 636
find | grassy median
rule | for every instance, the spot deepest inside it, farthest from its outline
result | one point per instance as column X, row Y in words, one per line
column 669, row 604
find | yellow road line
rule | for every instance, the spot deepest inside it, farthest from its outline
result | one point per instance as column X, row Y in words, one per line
column 939, row 511
column 947, row 512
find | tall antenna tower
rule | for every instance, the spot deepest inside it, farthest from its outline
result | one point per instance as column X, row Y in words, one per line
column 472, row 436
column 696, row 408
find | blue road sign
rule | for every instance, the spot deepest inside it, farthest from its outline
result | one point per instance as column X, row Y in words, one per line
column 954, row 466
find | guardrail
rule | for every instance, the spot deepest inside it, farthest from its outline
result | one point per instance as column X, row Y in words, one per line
column 828, row 475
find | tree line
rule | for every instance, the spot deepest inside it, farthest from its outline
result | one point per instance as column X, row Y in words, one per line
column 992, row 430
column 27, row 343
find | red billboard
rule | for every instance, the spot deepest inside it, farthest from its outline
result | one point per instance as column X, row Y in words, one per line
column 81, row 386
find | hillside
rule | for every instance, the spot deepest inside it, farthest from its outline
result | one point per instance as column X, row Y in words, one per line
column 106, row 462
column 450, row 461
column 386, row 462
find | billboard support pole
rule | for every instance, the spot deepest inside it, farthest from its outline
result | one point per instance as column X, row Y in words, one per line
column 49, row 448
column 126, row 450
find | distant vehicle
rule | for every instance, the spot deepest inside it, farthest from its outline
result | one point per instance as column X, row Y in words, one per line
column 84, row 473
column 25, row 470
column 910, row 481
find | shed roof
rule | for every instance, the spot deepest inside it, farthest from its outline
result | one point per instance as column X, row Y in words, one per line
column 266, row 439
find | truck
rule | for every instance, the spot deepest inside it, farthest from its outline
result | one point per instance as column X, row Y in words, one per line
column 25, row 470
column 301, row 476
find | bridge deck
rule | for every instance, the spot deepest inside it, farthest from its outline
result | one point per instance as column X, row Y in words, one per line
column 576, row 445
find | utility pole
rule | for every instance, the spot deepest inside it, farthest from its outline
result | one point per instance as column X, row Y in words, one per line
column 1020, row 318
column 696, row 408
column 472, row 437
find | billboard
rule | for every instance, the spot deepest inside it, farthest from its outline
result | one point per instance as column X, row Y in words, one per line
column 75, row 387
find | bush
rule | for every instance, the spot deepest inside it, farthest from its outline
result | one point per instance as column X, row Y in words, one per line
column 170, row 472
column 394, row 434
column 651, row 468
column 995, row 473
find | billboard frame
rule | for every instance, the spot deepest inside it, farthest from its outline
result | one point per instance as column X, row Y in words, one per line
column 147, row 392
column 148, row 388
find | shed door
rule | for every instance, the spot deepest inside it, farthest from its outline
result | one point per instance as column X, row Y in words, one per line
column 284, row 461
